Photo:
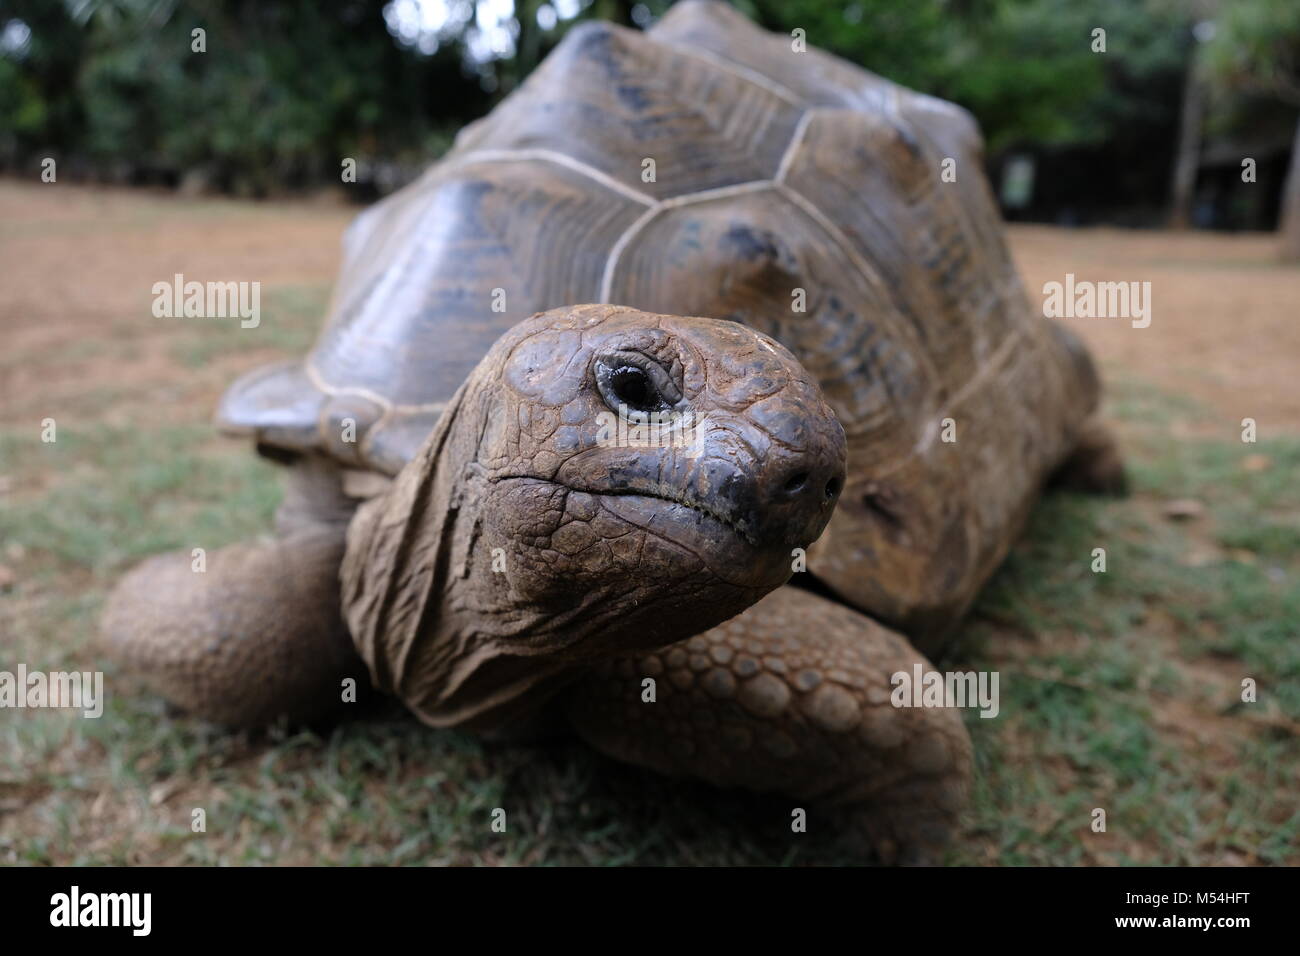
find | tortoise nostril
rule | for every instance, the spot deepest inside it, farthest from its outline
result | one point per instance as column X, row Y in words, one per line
column 796, row 483
column 832, row 488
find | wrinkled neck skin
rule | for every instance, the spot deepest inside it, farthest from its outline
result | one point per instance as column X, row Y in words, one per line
column 461, row 600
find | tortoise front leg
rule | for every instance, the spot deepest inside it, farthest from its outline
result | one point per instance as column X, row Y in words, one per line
column 791, row 697
column 251, row 632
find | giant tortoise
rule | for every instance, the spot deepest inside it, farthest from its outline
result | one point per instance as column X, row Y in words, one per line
column 456, row 531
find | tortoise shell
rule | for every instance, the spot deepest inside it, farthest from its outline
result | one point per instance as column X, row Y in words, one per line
column 708, row 167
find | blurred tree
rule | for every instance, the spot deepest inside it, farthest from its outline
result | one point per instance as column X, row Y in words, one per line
column 282, row 94
column 1190, row 122
column 1026, row 68
column 41, row 48
column 288, row 88
column 1256, row 47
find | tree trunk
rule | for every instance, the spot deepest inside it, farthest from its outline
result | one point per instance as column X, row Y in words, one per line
column 1189, row 146
column 1289, row 221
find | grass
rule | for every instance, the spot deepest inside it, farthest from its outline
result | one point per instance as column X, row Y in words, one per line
column 1107, row 668
column 110, row 497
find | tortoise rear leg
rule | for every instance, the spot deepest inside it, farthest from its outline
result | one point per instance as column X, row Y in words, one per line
column 257, row 634
column 1095, row 465
column 791, row 697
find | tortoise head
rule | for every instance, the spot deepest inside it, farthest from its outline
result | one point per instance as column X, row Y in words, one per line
column 654, row 449
column 607, row 480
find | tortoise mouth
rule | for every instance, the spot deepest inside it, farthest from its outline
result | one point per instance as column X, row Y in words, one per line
column 722, row 545
column 730, row 551
column 720, row 541
column 676, row 497
column 659, row 492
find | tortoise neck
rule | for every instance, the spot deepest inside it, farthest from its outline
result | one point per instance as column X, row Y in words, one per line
column 430, row 611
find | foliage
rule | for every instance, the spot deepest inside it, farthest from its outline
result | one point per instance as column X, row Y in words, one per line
column 288, row 88
column 283, row 92
column 1256, row 47
column 1025, row 68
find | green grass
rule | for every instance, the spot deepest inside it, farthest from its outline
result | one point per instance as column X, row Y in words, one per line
column 1102, row 655
column 116, row 495
column 1091, row 665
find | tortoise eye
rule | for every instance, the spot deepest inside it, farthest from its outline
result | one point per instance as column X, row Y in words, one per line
column 629, row 380
column 633, row 388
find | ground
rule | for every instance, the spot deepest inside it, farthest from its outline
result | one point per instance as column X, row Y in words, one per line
column 1120, row 690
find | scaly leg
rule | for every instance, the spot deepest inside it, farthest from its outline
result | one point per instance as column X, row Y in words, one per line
column 1096, row 465
column 256, row 634
column 793, row 697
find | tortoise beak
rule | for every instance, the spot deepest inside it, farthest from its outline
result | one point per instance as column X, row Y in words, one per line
column 780, row 493
column 775, row 490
